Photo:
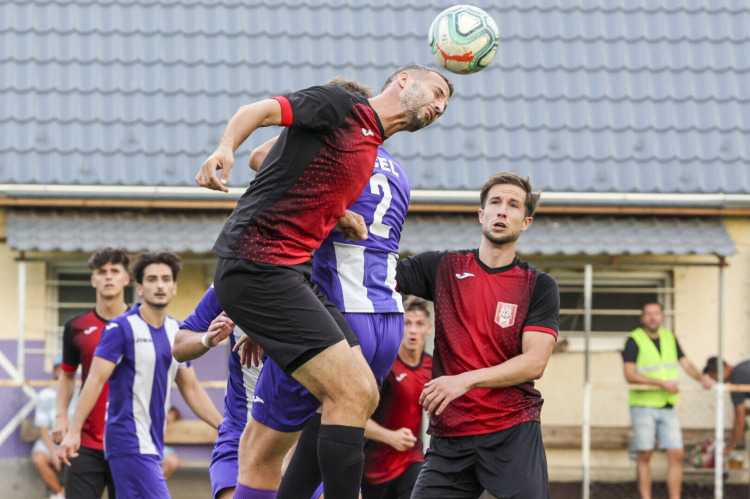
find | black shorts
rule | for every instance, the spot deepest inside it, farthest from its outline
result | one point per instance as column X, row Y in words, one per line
column 509, row 463
column 280, row 308
column 398, row 488
column 88, row 474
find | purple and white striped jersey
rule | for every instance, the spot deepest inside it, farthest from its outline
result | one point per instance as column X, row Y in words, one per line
column 140, row 383
column 360, row 277
column 242, row 380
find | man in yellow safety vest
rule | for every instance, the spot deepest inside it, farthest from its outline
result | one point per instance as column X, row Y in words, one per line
column 651, row 356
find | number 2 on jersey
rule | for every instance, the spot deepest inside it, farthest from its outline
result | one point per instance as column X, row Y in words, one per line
column 379, row 182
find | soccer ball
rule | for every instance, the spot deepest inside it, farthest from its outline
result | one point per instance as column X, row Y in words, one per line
column 463, row 39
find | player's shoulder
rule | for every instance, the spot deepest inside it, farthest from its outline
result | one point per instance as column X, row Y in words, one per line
column 79, row 320
column 540, row 275
column 332, row 93
column 123, row 320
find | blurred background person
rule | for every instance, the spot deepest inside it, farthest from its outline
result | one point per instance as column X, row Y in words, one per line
column 44, row 453
column 393, row 453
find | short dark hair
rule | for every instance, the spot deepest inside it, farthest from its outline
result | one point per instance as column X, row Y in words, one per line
column 712, row 366
column 643, row 308
column 418, row 71
column 108, row 255
column 532, row 198
column 351, row 85
column 416, row 304
column 146, row 259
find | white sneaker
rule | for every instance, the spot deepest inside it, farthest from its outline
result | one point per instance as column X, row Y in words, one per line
column 59, row 495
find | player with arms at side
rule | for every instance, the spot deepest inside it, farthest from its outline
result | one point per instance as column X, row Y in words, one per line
column 496, row 320
column 318, row 168
column 394, row 455
column 89, row 472
column 135, row 355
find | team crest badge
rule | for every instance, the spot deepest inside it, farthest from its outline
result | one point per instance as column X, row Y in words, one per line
column 505, row 315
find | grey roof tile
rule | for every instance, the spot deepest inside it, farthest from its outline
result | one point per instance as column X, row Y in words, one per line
column 590, row 96
column 77, row 231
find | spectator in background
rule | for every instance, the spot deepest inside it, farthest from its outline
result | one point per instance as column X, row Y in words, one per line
column 44, row 453
column 393, row 453
column 737, row 375
column 651, row 357
column 171, row 460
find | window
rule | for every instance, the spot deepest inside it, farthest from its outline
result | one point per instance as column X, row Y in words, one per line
column 617, row 299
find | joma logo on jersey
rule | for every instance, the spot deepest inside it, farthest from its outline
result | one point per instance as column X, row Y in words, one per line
column 505, row 315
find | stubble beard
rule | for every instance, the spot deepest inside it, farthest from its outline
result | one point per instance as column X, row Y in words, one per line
column 502, row 239
column 411, row 104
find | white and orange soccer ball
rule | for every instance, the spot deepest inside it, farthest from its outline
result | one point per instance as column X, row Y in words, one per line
column 463, row 39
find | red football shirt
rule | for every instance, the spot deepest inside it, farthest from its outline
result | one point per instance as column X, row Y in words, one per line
column 399, row 408
column 80, row 338
column 481, row 314
column 317, row 169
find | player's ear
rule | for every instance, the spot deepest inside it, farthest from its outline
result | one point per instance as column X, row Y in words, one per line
column 403, row 78
column 480, row 212
column 527, row 222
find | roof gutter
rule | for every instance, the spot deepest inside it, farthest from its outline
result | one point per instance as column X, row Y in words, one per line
column 421, row 200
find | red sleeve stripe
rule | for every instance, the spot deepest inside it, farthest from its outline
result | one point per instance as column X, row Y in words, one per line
column 541, row 330
column 65, row 367
column 287, row 116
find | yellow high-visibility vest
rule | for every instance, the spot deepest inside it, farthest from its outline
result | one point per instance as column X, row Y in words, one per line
column 655, row 364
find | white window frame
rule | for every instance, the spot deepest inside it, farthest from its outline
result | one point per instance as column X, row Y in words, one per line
column 605, row 281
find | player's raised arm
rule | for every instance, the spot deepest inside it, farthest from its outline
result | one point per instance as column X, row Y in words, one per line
column 246, row 120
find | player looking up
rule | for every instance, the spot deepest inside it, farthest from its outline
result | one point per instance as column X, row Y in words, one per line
column 495, row 325
column 319, row 166
column 394, row 455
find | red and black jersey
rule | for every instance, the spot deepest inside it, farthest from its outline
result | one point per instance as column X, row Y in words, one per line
column 399, row 408
column 80, row 338
column 481, row 314
column 318, row 167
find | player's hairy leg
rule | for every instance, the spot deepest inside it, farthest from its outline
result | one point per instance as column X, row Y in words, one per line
column 261, row 452
column 336, row 377
column 367, row 372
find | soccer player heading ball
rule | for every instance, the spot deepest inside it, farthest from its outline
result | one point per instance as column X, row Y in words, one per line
column 319, row 166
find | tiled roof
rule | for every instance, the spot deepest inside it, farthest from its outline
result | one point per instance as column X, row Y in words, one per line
column 77, row 231
column 614, row 96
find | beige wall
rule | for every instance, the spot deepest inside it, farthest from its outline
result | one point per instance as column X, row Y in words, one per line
column 696, row 326
column 695, row 321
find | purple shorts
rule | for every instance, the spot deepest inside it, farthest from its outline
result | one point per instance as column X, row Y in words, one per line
column 283, row 404
column 224, row 466
column 139, row 475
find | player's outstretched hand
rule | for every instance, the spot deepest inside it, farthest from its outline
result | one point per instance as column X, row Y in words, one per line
column 250, row 352
column 69, row 447
column 440, row 392
column 402, row 439
column 221, row 327
column 353, row 226
column 221, row 159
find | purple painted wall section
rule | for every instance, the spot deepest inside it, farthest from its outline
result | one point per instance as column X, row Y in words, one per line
column 210, row 367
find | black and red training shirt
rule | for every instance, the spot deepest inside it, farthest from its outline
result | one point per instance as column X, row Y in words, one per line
column 318, row 168
column 481, row 314
column 80, row 338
